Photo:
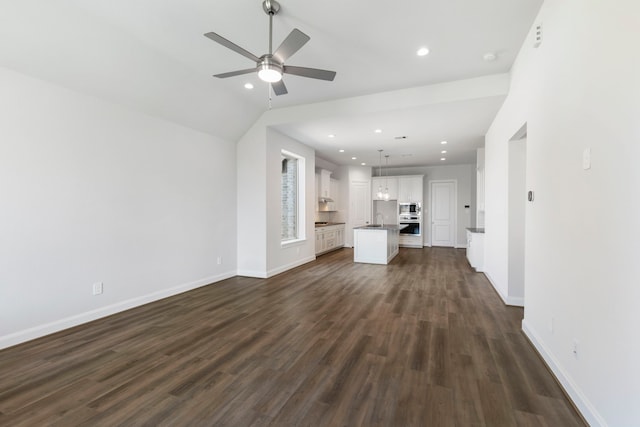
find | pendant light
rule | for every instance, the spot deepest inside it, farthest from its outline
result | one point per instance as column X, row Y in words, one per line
column 380, row 194
column 386, row 179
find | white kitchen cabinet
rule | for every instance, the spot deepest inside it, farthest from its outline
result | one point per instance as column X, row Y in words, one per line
column 329, row 238
column 410, row 188
column 325, row 184
column 335, row 195
column 319, row 240
column 475, row 248
column 390, row 183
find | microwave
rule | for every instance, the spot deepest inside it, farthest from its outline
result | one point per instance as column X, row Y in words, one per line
column 409, row 208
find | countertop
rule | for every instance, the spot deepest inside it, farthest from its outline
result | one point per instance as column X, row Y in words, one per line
column 327, row 224
column 476, row 230
column 383, row 227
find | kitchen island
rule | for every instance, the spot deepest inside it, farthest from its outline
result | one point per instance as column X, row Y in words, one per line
column 376, row 244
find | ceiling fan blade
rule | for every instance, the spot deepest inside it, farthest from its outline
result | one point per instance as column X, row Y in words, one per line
column 229, row 44
column 235, row 73
column 294, row 41
column 313, row 73
column 279, row 88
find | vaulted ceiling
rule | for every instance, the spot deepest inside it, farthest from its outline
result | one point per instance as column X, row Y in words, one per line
column 151, row 55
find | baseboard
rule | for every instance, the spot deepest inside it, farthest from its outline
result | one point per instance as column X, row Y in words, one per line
column 289, row 266
column 580, row 401
column 89, row 316
column 275, row 271
column 460, row 246
column 514, row 301
column 253, row 273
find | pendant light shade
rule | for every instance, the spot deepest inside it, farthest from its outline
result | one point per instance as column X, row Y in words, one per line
column 380, row 194
column 386, row 183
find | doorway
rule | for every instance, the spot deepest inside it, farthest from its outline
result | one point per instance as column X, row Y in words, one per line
column 443, row 196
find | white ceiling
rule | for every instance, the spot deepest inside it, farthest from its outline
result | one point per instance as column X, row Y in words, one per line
column 151, row 55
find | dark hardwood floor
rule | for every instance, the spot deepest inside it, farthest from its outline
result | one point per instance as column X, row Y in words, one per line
column 424, row 341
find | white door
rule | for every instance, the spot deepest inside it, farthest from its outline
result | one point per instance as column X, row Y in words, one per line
column 360, row 206
column 443, row 213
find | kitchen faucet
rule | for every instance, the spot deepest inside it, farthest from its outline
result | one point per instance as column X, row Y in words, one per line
column 382, row 220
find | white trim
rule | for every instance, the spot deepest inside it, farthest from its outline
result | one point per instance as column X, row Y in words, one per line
column 251, row 273
column 584, row 406
column 276, row 271
column 293, row 242
column 460, row 246
column 514, row 301
column 78, row 319
column 289, row 266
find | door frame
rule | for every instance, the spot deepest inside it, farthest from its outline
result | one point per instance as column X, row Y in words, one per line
column 455, row 209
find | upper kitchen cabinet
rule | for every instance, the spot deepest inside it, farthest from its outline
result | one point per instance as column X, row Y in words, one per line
column 325, row 184
column 410, row 188
column 327, row 191
column 385, row 183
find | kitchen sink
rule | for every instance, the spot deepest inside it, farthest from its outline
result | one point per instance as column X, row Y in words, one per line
column 374, row 226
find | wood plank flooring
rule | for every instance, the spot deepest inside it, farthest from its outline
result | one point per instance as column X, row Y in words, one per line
column 424, row 341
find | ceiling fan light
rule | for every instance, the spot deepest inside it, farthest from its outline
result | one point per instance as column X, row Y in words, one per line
column 269, row 73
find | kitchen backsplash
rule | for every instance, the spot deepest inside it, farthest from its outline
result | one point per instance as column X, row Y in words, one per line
column 335, row 216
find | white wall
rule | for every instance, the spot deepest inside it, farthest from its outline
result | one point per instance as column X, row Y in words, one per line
column 281, row 258
column 92, row 192
column 260, row 253
column 465, row 175
column 579, row 90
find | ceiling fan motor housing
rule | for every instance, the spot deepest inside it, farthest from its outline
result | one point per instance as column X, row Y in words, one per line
column 270, row 7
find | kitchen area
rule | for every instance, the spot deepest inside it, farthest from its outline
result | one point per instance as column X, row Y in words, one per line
column 396, row 213
column 353, row 200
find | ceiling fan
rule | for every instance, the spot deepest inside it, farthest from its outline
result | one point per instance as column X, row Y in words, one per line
column 270, row 66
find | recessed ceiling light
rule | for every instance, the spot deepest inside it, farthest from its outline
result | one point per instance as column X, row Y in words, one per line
column 489, row 57
column 443, row 142
column 443, row 158
column 354, row 158
column 378, row 131
column 248, row 86
column 423, row 51
column 342, row 151
column 363, row 164
column 443, row 152
column 331, row 135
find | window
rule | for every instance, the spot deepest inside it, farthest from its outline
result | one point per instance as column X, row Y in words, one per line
column 292, row 193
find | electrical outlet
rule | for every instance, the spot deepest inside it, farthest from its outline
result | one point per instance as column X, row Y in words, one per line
column 97, row 288
column 575, row 348
column 219, row 260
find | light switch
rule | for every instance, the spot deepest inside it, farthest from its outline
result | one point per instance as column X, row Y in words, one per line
column 586, row 159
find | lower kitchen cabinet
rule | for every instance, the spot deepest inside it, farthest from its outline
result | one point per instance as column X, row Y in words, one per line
column 475, row 248
column 329, row 238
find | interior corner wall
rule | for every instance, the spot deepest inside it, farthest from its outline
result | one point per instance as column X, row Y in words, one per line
column 251, row 153
column 281, row 258
column 94, row 192
column 581, row 267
